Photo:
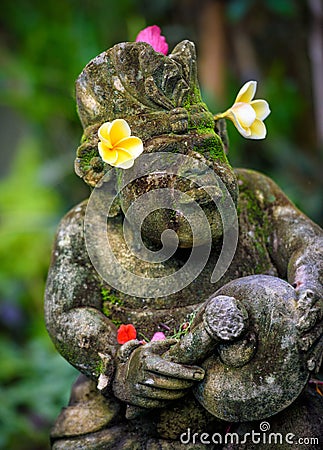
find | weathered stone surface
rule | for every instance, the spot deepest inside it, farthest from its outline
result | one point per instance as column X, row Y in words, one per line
column 259, row 360
column 87, row 411
column 110, row 439
column 302, row 420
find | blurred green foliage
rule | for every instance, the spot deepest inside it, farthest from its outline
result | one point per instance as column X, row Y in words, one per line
column 32, row 376
column 43, row 48
column 34, row 386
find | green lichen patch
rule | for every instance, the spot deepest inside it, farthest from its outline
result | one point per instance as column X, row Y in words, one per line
column 193, row 97
column 211, row 145
column 110, row 303
column 99, row 368
column 110, row 297
column 253, row 214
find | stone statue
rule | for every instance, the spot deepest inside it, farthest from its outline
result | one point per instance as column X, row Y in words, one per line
column 246, row 344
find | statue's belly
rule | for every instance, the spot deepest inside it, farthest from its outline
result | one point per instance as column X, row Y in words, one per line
column 167, row 313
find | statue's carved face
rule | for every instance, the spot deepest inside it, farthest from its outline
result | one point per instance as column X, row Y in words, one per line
column 159, row 97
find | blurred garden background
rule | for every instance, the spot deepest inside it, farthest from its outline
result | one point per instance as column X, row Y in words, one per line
column 43, row 48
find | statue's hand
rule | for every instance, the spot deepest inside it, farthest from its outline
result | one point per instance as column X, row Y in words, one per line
column 144, row 378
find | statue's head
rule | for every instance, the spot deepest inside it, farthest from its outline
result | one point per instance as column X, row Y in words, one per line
column 159, row 98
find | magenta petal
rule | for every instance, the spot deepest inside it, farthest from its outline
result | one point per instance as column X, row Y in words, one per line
column 159, row 336
column 152, row 36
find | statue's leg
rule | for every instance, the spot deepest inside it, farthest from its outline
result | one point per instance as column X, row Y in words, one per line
column 91, row 421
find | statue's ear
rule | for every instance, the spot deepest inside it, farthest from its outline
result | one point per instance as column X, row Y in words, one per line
column 88, row 164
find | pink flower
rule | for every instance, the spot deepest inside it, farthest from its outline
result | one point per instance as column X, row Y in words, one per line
column 159, row 336
column 152, row 36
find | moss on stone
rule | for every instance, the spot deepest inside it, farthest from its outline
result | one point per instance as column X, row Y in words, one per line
column 84, row 138
column 256, row 215
column 86, row 153
column 106, row 311
column 109, row 301
column 193, row 97
column 211, row 145
column 99, row 368
column 110, row 297
column 66, row 351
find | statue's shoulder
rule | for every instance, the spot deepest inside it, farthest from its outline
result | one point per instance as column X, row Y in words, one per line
column 70, row 231
column 81, row 219
column 74, row 218
column 261, row 187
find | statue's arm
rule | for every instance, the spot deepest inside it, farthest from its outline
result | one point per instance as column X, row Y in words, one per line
column 295, row 245
column 80, row 331
column 294, row 241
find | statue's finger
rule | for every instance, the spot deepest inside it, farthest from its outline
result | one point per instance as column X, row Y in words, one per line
column 160, row 347
column 160, row 366
column 162, row 382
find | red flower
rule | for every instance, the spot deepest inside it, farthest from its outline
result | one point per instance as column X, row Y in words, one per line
column 152, row 36
column 126, row 333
